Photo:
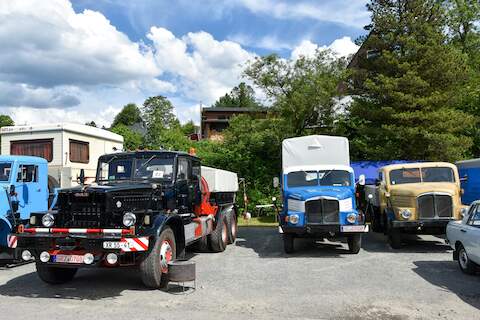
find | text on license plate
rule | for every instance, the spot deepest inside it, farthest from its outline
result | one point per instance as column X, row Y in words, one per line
column 64, row 258
column 116, row 245
column 360, row 228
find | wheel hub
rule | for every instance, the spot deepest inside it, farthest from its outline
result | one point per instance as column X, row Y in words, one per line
column 166, row 255
column 463, row 258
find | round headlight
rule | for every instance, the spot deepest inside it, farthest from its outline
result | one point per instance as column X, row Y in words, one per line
column 293, row 219
column 48, row 220
column 44, row 256
column 351, row 217
column 406, row 213
column 129, row 219
column 88, row 258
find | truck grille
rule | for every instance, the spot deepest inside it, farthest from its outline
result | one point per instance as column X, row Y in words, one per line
column 322, row 211
column 431, row 206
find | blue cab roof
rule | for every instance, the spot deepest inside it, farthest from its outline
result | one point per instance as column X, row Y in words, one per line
column 29, row 159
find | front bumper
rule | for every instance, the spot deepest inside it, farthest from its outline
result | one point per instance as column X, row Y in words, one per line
column 129, row 248
column 425, row 223
column 324, row 230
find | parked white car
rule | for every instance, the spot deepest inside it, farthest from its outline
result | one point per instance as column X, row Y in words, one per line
column 464, row 237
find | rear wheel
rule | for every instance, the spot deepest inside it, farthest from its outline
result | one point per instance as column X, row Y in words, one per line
column 54, row 275
column 354, row 243
column 154, row 269
column 232, row 226
column 219, row 237
column 466, row 265
column 288, row 242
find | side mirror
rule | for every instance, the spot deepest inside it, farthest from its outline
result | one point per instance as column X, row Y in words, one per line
column 81, row 178
column 464, row 178
column 12, row 190
column 361, row 179
column 274, row 199
column 276, row 182
column 378, row 182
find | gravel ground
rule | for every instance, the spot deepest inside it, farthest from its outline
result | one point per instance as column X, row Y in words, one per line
column 254, row 279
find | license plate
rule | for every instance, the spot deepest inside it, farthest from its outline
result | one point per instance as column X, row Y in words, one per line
column 116, row 245
column 360, row 228
column 63, row 258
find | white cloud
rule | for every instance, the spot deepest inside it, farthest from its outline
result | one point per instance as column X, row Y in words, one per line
column 348, row 12
column 342, row 47
column 203, row 67
column 269, row 42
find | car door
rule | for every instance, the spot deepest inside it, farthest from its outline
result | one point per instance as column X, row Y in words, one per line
column 471, row 235
column 184, row 185
column 28, row 189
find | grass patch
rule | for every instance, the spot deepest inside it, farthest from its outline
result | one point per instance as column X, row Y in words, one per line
column 263, row 221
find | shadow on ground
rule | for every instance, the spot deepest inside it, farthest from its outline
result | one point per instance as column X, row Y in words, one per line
column 447, row 276
column 88, row 284
column 267, row 243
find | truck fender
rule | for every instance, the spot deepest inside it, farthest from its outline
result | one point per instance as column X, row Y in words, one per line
column 176, row 224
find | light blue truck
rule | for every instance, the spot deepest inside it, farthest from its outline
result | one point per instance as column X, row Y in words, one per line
column 318, row 189
column 23, row 189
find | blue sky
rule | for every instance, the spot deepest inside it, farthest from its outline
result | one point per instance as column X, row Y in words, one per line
column 83, row 60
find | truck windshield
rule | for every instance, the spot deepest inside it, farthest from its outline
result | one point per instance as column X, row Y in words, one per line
column 117, row 169
column 323, row 178
column 417, row 175
column 5, row 169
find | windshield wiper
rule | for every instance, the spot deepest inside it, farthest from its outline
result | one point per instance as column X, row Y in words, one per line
column 145, row 163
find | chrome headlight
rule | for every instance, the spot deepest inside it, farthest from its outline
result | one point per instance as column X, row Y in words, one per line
column 48, row 220
column 351, row 217
column 129, row 219
column 406, row 213
column 296, row 205
column 293, row 219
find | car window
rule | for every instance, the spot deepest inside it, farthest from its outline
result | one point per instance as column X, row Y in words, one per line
column 475, row 217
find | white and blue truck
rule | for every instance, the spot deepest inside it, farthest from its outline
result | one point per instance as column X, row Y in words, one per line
column 318, row 189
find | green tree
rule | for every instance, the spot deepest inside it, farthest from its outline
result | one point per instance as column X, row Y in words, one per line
column 302, row 91
column 242, row 96
column 406, row 98
column 188, row 128
column 5, row 121
column 131, row 140
column 129, row 115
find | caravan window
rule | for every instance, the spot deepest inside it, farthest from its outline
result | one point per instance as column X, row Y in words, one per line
column 42, row 148
column 79, row 151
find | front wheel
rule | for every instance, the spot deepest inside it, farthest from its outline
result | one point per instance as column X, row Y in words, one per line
column 466, row 265
column 54, row 275
column 354, row 243
column 288, row 242
column 154, row 269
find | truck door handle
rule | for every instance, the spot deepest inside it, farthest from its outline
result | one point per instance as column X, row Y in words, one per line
column 463, row 230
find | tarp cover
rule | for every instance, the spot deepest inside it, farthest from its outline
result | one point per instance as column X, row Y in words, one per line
column 469, row 170
column 315, row 150
column 220, row 180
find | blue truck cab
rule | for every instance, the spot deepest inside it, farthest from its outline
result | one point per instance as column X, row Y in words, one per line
column 23, row 189
column 318, row 189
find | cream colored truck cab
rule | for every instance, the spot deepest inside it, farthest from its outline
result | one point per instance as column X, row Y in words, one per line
column 418, row 198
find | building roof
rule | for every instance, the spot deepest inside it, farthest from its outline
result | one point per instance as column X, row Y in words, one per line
column 233, row 109
column 69, row 127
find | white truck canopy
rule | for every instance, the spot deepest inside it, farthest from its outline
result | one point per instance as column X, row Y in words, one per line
column 314, row 151
column 220, row 180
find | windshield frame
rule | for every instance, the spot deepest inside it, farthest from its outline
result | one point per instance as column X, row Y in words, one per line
column 11, row 163
column 136, row 162
column 318, row 179
column 421, row 170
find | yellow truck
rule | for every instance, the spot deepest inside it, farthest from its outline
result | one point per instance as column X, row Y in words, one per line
column 415, row 198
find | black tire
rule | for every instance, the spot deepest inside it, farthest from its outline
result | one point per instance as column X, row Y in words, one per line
column 154, row 269
column 288, row 243
column 354, row 243
column 218, row 239
column 54, row 275
column 466, row 265
column 232, row 226
column 395, row 238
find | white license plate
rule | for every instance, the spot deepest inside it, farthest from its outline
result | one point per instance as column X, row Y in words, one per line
column 116, row 245
column 64, row 258
column 360, row 228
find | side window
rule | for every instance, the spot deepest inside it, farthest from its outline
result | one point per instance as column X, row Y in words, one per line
column 27, row 173
column 196, row 170
column 475, row 217
column 183, row 170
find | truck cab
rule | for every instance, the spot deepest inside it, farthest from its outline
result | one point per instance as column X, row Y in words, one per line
column 318, row 188
column 23, row 190
column 418, row 198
